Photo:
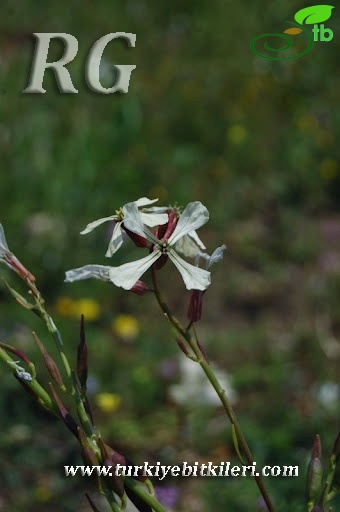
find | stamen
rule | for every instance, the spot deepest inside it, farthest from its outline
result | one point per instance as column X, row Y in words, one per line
column 163, row 247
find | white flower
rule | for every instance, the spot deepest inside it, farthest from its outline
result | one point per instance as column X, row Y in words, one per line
column 4, row 250
column 153, row 216
column 126, row 275
column 192, row 218
column 194, row 389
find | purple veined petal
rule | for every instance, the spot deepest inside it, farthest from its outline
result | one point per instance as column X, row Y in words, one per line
column 154, row 219
column 127, row 275
column 87, row 272
column 145, row 201
column 133, row 222
column 3, row 243
column 216, row 256
column 116, row 240
column 90, row 227
column 197, row 239
column 194, row 278
column 193, row 217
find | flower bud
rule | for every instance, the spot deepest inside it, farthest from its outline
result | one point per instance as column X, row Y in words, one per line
column 16, row 352
column 195, row 306
column 82, row 356
column 111, row 458
column 49, row 363
column 65, row 415
column 139, row 288
column 314, row 473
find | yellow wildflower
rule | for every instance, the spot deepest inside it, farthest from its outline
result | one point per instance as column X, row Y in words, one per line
column 87, row 307
column 65, row 306
column 125, row 326
column 108, row 402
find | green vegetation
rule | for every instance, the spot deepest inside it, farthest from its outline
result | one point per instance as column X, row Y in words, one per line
column 205, row 119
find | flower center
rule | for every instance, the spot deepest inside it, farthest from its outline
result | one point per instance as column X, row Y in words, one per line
column 120, row 214
column 163, row 247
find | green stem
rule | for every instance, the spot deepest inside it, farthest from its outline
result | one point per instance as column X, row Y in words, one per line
column 33, row 384
column 334, row 486
column 147, row 498
column 112, row 502
column 44, row 398
column 216, row 385
column 52, row 328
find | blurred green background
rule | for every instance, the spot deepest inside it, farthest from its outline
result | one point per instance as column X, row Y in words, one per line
column 204, row 119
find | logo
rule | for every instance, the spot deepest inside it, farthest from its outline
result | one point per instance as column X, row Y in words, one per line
column 314, row 15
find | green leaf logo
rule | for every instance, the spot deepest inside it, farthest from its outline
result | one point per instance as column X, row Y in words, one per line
column 314, row 14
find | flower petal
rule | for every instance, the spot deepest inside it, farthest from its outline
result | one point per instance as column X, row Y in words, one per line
column 157, row 209
column 187, row 247
column 203, row 256
column 154, row 219
column 116, row 240
column 194, row 278
column 197, row 239
column 90, row 227
column 216, row 256
column 127, row 275
column 3, row 244
column 145, row 201
column 133, row 222
column 193, row 217
column 96, row 271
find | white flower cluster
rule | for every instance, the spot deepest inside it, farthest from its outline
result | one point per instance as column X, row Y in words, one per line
column 137, row 219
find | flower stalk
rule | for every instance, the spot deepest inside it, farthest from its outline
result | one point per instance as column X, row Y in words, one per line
column 201, row 359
